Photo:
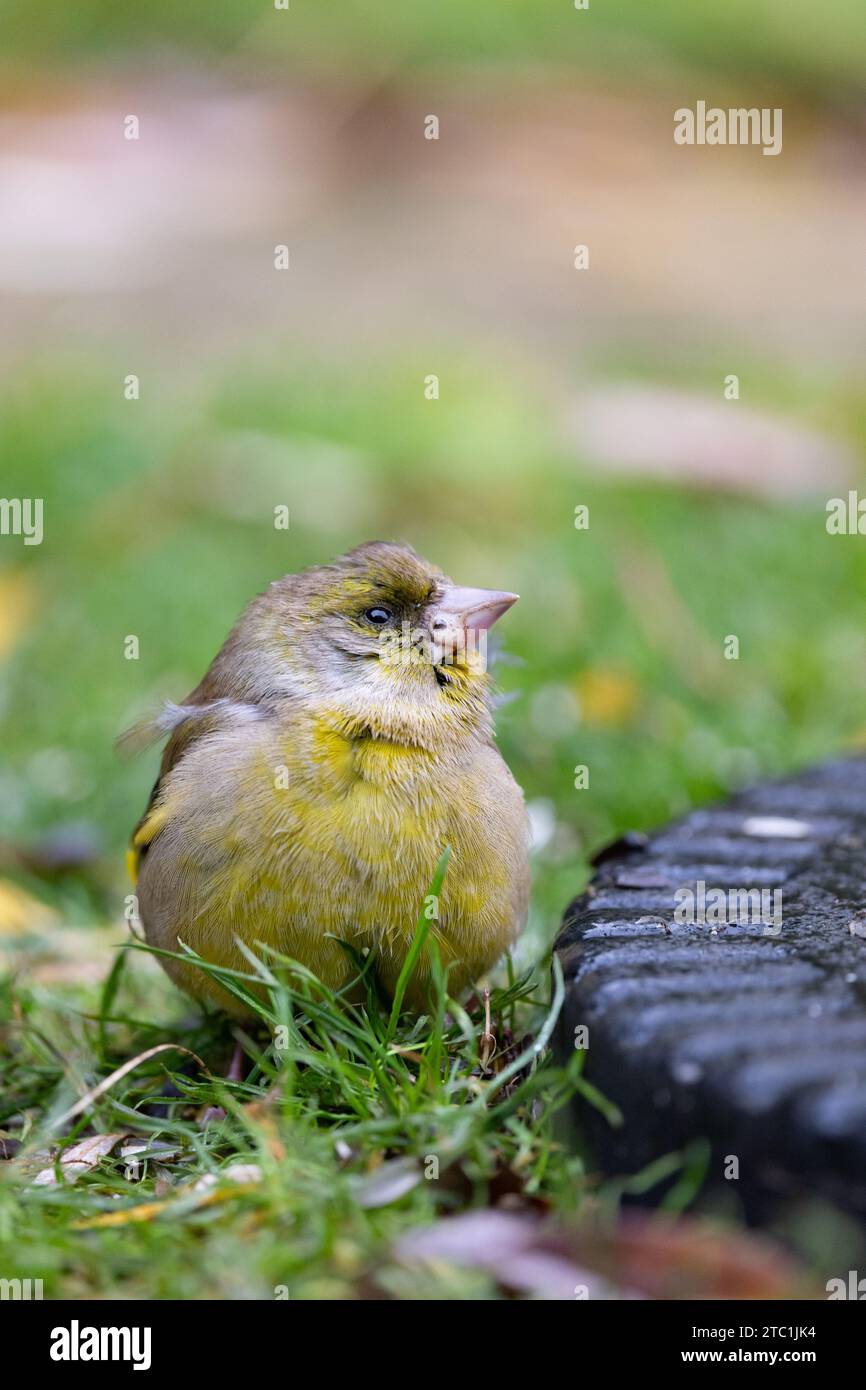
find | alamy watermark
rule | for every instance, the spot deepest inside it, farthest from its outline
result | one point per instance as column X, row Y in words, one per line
column 846, row 516
column 20, row 1289
column 721, row 907
column 853, row 1287
column 738, row 125
column 22, row 516
column 77, row 1343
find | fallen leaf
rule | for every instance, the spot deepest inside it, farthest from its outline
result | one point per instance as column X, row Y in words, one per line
column 145, row 1211
column 80, row 1158
column 704, row 441
column 247, row 1173
column 391, row 1181
column 71, row 847
column 508, row 1247
column 17, row 606
column 693, row 1258
column 641, row 1257
column 607, row 698
column 261, row 1114
column 184, row 1199
column 21, row 914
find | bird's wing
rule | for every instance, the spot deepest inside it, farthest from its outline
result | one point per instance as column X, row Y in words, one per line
column 227, row 695
column 184, row 724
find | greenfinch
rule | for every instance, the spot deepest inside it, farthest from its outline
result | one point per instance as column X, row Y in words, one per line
column 340, row 740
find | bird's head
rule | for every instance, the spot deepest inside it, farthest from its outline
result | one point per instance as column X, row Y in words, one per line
column 385, row 643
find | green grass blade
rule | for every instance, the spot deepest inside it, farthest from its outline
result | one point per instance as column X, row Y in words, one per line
column 422, row 931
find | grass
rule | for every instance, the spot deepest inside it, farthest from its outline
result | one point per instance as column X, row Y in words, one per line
column 353, row 1125
column 159, row 524
column 788, row 43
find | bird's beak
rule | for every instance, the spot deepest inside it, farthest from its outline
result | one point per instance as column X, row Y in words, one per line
column 459, row 612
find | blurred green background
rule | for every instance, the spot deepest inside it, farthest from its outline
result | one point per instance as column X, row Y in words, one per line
column 558, row 387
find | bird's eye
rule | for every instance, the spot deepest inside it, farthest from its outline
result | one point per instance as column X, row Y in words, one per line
column 378, row 616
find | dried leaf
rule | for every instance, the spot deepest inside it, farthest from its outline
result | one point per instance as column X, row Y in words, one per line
column 508, row 1247
column 247, row 1173
column 17, row 605
column 203, row 1193
column 642, row 1257
column 21, row 914
column 693, row 1258
column 391, row 1181
column 703, row 441
column 80, row 1158
column 607, row 698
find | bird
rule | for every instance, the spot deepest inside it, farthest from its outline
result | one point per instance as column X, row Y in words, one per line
column 339, row 743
